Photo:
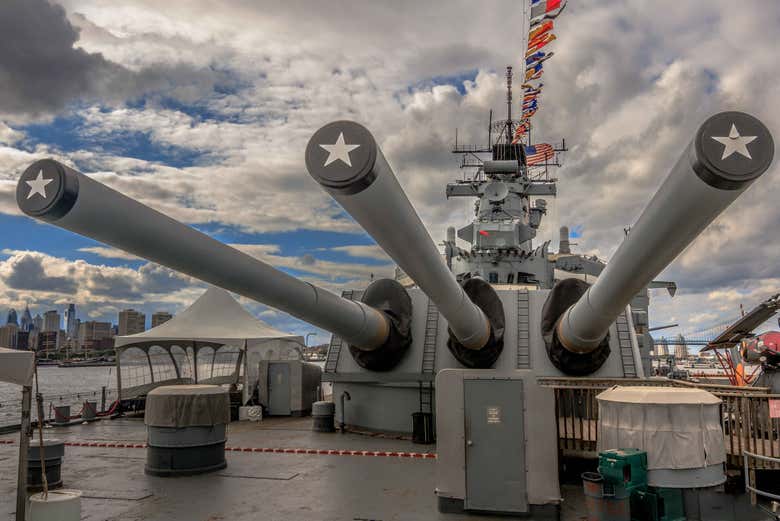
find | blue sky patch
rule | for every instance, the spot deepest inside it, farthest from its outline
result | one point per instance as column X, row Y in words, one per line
column 66, row 133
column 456, row 80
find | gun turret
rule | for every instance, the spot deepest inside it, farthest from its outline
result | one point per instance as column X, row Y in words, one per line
column 378, row 327
column 729, row 151
column 346, row 160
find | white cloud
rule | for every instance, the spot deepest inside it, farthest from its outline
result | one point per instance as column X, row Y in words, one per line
column 109, row 253
column 627, row 89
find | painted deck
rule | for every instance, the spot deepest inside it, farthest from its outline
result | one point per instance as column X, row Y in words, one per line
column 255, row 485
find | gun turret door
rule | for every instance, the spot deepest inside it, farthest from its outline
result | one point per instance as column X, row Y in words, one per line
column 279, row 389
column 495, row 446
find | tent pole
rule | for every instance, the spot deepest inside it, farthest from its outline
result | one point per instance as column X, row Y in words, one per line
column 195, row 359
column 24, row 444
column 118, row 354
column 245, row 386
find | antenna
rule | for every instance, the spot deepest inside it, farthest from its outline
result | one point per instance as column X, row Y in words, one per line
column 509, row 129
column 490, row 129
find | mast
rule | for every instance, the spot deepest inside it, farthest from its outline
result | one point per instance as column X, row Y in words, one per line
column 509, row 126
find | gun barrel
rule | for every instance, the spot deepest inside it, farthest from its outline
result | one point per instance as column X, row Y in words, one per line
column 346, row 160
column 729, row 151
column 55, row 193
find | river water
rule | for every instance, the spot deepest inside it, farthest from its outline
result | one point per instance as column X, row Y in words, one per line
column 66, row 386
column 59, row 385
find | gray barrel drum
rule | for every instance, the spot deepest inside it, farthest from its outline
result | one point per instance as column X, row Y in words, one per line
column 186, row 428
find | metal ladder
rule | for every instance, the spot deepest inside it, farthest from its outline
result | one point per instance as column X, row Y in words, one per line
column 626, row 349
column 523, row 339
column 334, row 349
column 429, row 356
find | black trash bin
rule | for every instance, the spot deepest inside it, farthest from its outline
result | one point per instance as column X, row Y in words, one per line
column 422, row 428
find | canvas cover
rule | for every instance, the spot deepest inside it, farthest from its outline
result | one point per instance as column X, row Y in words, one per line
column 678, row 428
column 16, row 367
column 187, row 406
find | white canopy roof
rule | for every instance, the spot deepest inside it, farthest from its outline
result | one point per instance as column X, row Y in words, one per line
column 16, row 366
column 215, row 317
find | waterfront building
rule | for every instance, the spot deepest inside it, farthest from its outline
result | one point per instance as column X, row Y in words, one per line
column 26, row 323
column 23, row 340
column 51, row 321
column 71, row 324
column 49, row 342
column 12, row 317
column 94, row 335
column 131, row 322
column 8, row 335
column 160, row 317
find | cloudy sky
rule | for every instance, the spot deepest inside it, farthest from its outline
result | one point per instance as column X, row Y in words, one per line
column 204, row 114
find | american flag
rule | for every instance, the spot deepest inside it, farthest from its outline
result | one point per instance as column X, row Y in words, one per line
column 536, row 154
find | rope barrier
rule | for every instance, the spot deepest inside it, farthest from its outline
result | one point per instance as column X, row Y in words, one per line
column 274, row 450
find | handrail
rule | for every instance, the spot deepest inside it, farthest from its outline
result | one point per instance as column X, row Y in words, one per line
column 748, row 486
column 591, row 382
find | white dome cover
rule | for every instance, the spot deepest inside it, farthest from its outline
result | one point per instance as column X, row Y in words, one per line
column 678, row 428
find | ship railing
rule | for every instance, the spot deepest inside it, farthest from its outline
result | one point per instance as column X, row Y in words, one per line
column 749, row 473
column 746, row 416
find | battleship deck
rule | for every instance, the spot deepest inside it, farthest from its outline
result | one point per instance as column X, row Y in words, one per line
column 255, row 485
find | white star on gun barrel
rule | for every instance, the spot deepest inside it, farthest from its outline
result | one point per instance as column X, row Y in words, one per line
column 38, row 185
column 339, row 150
column 735, row 143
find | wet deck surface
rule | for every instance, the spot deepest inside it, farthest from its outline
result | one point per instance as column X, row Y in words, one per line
column 255, row 485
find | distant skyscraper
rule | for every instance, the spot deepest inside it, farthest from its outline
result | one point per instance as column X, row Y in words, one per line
column 662, row 347
column 680, row 348
column 160, row 317
column 91, row 334
column 26, row 323
column 38, row 322
column 8, row 334
column 131, row 322
column 51, row 321
column 71, row 326
column 12, row 318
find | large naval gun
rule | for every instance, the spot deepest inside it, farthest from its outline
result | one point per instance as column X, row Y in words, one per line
column 398, row 338
column 484, row 345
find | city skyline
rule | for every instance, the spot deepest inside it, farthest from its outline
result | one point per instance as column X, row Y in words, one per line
column 63, row 316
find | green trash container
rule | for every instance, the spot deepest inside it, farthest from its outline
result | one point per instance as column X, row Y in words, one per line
column 625, row 467
column 604, row 501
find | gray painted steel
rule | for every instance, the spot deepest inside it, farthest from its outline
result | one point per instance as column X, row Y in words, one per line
column 323, row 416
column 700, row 186
column 304, row 383
column 80, row 204
column 185, row 451
column 495, row 446
column 279, row 389
column 538, row 444
column 399, row 389
column 369, row 191
column 53, row 452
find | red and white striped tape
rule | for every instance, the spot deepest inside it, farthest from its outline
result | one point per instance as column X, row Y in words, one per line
column 275, row 450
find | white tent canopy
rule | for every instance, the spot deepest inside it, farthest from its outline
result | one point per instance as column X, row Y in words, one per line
column 215, row 341
column 215, row 317
column 16, row 366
